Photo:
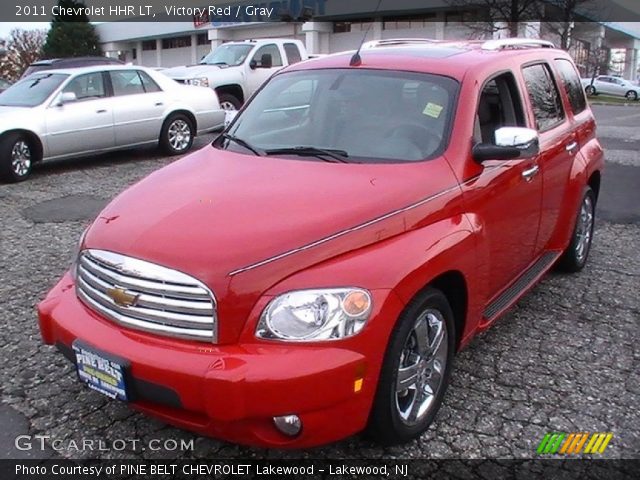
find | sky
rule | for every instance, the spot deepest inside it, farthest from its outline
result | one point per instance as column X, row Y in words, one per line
column 6, row 27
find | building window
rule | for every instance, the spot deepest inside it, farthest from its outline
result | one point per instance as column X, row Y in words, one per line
column 148, row 45
column 176, row 42
column 134, row 54
column 398, row 23
column 203, row 39
column 355, row 26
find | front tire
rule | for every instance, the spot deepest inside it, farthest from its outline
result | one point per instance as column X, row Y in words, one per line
column 229, row 102
column 177, row 134
column 575, row 256
column 631, row 95
column 590, row 90
column 416, row 370
column 16, row 157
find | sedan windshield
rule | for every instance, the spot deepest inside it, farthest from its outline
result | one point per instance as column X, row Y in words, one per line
column 31, row 91
column 346, row 116
column 230, row 55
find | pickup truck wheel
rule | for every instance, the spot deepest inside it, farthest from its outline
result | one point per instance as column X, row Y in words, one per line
column 631, row 95
column 416, row 370
column 229, row 102
column 575, row 256
column 16, row 157
column 590, row 90
column 177, row 134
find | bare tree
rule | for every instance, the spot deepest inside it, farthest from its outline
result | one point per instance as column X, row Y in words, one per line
column 23, row 47
column 560, row 17
column 492, row 16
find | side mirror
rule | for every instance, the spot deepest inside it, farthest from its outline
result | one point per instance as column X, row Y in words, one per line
column 67, row 97
column 253, row 64
column 510, row 143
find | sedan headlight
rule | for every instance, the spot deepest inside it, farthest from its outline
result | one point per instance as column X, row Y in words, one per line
column 76, row 252
column 315, row 315
column 200, row 82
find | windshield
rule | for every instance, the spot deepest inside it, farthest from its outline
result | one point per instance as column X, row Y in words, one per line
column 230, row 55
column 31, row 91
column 358, row 115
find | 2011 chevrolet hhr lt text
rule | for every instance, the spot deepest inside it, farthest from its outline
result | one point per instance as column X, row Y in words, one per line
column 312, row 273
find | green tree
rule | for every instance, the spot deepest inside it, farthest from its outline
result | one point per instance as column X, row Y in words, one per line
column 71, row 35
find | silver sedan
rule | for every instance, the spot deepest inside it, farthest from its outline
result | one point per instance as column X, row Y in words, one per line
column 81, row 111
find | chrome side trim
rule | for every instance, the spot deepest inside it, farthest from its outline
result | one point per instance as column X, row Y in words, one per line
column 341, row 233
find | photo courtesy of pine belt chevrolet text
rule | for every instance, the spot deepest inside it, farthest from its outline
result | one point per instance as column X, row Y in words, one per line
column 313, row 272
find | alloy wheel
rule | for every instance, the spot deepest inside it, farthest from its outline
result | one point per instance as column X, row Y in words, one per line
column 21, row 158
column 422, row 365
column 584, row 230
column 179, row 133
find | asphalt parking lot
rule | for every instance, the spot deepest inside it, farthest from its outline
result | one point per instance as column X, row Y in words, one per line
column 567, row 358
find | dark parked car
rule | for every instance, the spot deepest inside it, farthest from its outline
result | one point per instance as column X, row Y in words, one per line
column 4, row 84
column 73, row 62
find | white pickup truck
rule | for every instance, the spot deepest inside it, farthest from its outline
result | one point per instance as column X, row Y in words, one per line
column 237, row 69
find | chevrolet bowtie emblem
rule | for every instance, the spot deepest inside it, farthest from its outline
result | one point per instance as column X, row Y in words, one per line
column 121, row 297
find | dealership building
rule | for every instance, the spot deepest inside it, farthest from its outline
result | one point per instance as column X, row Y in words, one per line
column 328, row 26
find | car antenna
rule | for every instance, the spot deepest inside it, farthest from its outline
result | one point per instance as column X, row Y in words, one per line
column 356, row 60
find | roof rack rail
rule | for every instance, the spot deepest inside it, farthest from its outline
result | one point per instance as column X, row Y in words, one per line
column 393, row 42
column 506, row 43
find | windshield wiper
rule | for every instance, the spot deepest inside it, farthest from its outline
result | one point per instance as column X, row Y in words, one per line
column 337, row 155
column 243, row 143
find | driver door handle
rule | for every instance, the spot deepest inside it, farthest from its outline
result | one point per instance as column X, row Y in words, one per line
column 571, row 146
column 530, row 173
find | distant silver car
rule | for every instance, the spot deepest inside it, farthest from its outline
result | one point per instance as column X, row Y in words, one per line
column 610, row 85
column 81, row 111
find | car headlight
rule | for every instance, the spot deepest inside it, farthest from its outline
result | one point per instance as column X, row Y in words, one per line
column 76, row 252
column 315, row 315
column 200, row 82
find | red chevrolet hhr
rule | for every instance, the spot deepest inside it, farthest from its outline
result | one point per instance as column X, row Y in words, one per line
column 312, row 273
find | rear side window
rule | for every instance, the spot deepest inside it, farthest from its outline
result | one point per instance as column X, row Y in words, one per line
column 293, row 53
column 544, row 95
column 148, row 83
column 572, row 85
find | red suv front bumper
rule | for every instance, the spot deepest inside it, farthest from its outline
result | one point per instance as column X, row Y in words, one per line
column 231, row 392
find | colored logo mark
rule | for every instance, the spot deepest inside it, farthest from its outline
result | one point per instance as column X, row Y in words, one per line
column 574, row 443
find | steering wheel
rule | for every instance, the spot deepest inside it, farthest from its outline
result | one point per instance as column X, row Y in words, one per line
column 421, row 137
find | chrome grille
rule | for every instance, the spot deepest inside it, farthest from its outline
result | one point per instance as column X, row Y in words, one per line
column 146, row 296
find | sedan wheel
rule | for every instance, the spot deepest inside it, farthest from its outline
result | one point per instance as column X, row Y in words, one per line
column 631, row 95
column 177, row 135
column 21, row 158
column 416, row 370
column 590, row 90
column 16, row 157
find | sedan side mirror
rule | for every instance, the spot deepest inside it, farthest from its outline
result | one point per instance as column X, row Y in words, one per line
column 67, row 97
column 510, row 143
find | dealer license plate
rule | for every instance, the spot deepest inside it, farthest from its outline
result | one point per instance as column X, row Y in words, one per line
column 100, row 372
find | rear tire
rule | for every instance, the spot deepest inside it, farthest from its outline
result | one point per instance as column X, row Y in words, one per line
column 631, row 95
column 177, row 134
column 17, row 156
column 575, row 256
column 590, row 90
column 416, row 370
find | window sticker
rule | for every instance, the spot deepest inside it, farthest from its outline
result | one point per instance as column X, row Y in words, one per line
column 433, row 110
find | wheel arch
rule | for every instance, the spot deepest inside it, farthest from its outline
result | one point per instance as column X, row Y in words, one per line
column 453, row 285
column 232, row 89
column 594, row 182
column 34, row 141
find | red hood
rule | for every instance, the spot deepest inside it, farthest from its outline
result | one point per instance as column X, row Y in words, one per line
column 214, row 211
